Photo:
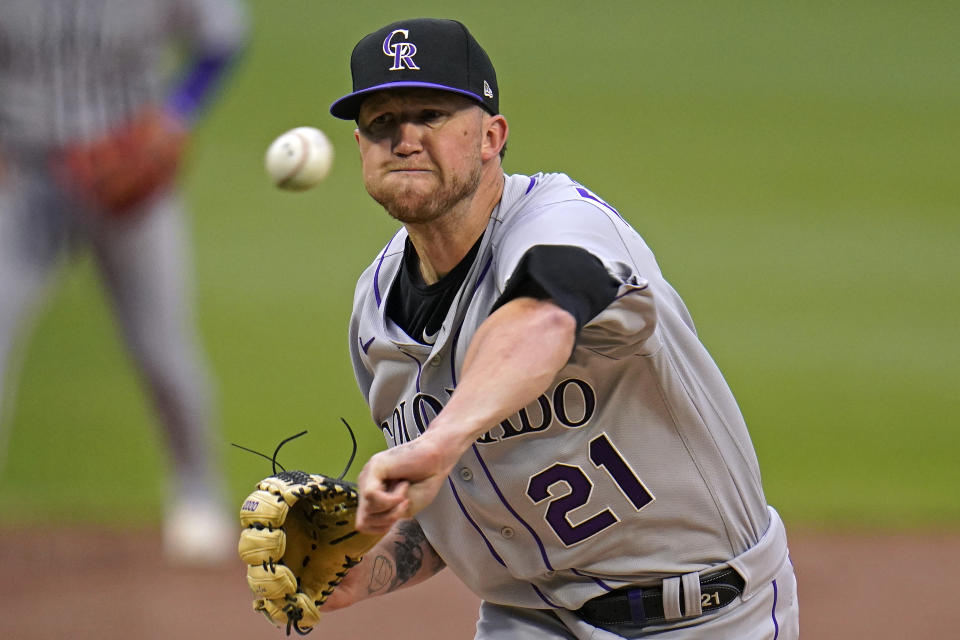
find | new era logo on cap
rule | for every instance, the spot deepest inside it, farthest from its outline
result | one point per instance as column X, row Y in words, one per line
column 423, row 52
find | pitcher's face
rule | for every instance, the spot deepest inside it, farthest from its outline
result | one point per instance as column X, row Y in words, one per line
column 420, row 150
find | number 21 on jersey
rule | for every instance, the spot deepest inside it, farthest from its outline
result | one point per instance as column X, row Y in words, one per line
column 604, row 455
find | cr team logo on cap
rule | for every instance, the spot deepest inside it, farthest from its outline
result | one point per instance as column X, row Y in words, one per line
column 401, row 52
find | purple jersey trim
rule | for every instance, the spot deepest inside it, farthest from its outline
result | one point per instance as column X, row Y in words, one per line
column 600, row 583
column 483, row 274
column 545, row 598
column 456, row 496
column 365, row 345
column 486, row 541
column 776, row 625
column 419, row 367
column 536, row 538
column 376, row 274
column 533, row 182
column 589, row 196
column 195, row 88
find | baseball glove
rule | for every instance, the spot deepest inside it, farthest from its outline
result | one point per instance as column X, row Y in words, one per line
column 299, row 541
column 116, row 174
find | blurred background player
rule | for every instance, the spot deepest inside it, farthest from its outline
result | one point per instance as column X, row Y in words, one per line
column 92, row 127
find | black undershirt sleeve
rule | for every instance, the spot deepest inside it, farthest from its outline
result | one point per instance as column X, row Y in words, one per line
column 572, row 277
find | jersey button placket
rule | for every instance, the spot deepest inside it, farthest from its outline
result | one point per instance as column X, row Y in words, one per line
column 465, row 474
column 507, row 532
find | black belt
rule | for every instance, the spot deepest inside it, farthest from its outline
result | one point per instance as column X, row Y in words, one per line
column 635, row 605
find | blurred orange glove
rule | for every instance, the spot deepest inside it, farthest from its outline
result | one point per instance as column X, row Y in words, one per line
column 120, row 172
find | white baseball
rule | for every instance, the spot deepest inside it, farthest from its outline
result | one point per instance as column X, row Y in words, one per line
column 299, row 159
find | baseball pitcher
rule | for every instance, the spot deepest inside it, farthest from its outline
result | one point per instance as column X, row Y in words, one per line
column 557, row 434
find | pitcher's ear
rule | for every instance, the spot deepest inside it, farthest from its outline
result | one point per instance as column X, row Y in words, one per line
column 495, row 132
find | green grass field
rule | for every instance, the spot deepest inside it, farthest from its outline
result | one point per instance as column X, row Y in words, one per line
column 793, row 165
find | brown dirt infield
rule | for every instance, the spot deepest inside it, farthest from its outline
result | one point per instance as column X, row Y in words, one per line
column 107, row 585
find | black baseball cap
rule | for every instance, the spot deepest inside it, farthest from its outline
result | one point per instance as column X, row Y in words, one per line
column 422, row 52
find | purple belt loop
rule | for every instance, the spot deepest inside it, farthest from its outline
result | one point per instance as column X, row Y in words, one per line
column 635, row 599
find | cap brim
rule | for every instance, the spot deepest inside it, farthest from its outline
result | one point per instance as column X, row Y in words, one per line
column 348, row 107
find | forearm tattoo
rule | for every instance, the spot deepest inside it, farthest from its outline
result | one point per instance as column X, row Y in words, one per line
column 411, row 552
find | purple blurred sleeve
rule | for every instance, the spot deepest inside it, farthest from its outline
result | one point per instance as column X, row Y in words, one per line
column 215, row 33
column 198, row 84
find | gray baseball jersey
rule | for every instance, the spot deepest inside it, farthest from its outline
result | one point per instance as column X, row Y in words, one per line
column 635, row 465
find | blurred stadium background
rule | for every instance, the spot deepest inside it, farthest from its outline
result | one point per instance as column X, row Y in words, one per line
column 793, row 165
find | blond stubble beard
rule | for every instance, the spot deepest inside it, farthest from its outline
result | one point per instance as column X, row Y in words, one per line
column 410, row 205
